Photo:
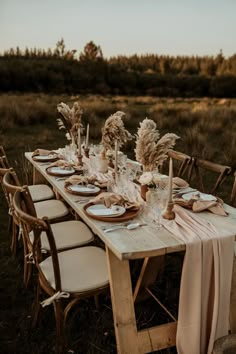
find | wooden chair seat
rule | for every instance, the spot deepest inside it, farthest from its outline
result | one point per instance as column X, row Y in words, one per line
column 53, row 209
column 68, row 234
column 41, row 192
column 38, row 191
column 81, row 269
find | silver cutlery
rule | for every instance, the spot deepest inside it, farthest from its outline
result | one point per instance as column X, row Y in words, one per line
column 81, row 201
column 45, row 163
column 60, row 178
column 128, row 227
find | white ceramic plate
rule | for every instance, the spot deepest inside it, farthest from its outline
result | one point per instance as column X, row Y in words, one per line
column 60, row 171
column 102, row 210
column 84, row 189
column 45, row 157
column 203, row 196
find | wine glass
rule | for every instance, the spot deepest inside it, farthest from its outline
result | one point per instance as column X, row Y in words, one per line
column 157, row 202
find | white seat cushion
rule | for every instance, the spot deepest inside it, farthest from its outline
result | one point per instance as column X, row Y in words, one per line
column 40, row 192
column 51, row 208
column 82, row 269
column 67, row 234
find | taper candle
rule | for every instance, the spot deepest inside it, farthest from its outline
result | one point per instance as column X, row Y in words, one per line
column 116, row 159
column 87, row 137
column 79, row 142
column 170, row 180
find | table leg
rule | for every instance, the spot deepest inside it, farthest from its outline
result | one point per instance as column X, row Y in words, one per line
column 37, row 177
column 122, row 305
column 148, row 275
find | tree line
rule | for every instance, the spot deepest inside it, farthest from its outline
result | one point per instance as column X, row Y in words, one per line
column 63, row 71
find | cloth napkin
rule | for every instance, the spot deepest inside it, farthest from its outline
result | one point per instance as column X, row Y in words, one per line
column 204, row 300
column 62, row 164
column 115, row 199
column 179, row 183
column 99, row 180
column 197, row 205
column 43, row 152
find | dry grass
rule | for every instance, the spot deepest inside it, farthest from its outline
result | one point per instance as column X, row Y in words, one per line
column 207, row 129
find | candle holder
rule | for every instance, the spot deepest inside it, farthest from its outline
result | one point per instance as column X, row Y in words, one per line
column 168, row 213
column 86, row 152
column 80, row 157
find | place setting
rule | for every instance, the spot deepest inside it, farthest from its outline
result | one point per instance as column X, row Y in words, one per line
column 111, row 207
column 44, row 156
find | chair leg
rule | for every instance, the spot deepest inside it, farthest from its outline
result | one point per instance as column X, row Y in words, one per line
column 10, row 221
column 36, row 307
column 14, row 238
column 27, row 264
column 97, row 302
column 60, row 334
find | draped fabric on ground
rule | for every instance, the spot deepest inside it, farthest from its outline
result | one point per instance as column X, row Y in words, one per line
column 206, row 280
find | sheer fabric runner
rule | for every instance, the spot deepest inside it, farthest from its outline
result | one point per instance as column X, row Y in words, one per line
column 206, row 280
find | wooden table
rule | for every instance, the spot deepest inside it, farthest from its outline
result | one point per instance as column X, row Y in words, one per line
column 121, row 247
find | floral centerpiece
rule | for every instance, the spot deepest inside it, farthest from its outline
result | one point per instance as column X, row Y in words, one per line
column 151, row 150
column 70, row 120
column 114, row 130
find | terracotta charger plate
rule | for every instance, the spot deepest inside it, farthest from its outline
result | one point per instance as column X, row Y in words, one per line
column 59, row 172
column 129, row 214
column 45, row 158
column 78, row 189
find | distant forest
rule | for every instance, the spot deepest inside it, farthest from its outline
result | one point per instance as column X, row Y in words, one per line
column 63, row 71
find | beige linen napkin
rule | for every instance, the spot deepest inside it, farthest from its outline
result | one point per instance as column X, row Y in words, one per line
column 198, row 205
column 179, row 183
column 100, row 181
column 43, row 152
column 77, row 180
column 206, row 280
column 115, row 199
column 61, row 163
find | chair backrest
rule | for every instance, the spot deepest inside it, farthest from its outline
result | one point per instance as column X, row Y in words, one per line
column 212, row 173
column 22, row 203
column 3, row 155
column 181, row 164
column 4, row 162
column 10, row 185
column 233, row 193
column 3, row 171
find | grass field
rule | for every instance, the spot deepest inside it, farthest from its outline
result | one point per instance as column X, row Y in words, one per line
column 207, row 129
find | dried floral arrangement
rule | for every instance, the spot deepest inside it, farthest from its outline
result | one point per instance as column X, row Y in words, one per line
column 70, row 120
column 151, row 150
column 113, row 130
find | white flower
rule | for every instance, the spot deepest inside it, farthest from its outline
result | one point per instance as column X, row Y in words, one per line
column 68, row 137
column 146, row 178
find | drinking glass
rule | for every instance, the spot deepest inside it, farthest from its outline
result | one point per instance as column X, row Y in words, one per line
column 157, row 202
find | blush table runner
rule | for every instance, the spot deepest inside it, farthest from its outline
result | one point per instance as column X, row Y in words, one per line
column 205, row 287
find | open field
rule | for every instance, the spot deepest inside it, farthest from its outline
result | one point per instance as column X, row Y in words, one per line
column 207, row 129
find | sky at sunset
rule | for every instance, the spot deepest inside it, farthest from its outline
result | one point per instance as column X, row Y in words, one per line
column 121, row 27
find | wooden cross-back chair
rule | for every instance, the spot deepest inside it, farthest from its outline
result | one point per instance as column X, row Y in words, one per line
column 3, row 154
column 181, row 164
column 204, row 170
column 67, row 276
column 233, row 193
column 38, row 192
column 54, row 209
